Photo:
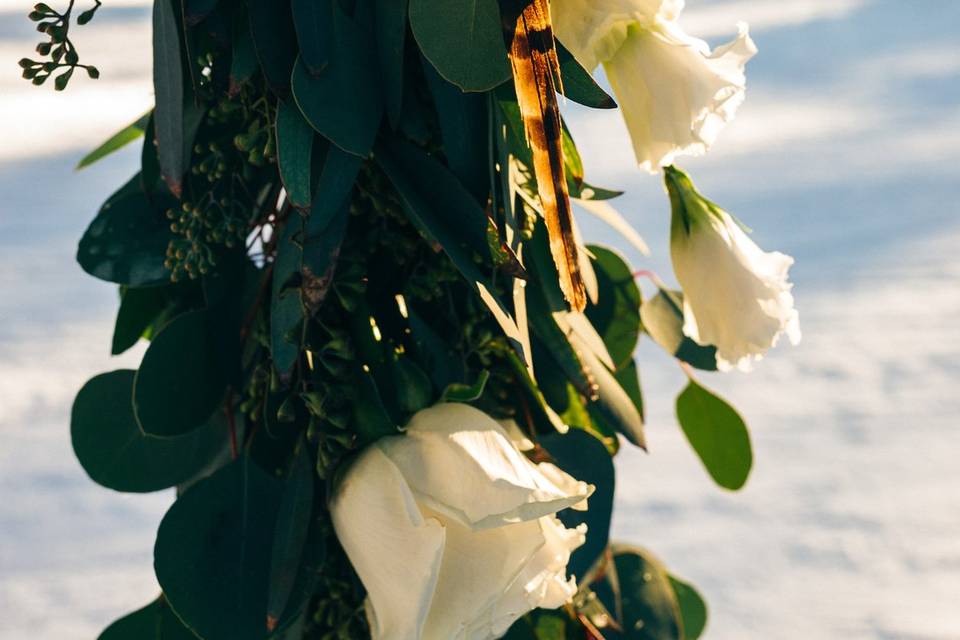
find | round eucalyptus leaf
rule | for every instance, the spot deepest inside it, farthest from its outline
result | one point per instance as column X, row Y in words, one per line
column 181, row 380
column 127, row 242
column 616, row 316
column 114, row 451
column 213, row 552
column 638, row 588
column 585, row 458
column 463, row 40
column 717, row 433
column 693, row 609
column 156, row 621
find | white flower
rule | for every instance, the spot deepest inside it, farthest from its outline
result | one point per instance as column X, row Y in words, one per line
column 452, row 530
column 675, row 94
column 735, row 295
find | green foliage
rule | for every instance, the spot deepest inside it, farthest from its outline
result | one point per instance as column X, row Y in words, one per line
column 718, row 435
column 117, row 141
column 156, row 621
column 127, row 241
column 585, row 458
column 213, row 552
column 182, row 378
column 463, row 41
column 693, row 610
column 637, row 590
column 118, row 455
column 335, row 225
column 662, row 317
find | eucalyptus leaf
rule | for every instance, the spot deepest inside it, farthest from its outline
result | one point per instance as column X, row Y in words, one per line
column 156, row 621
column 294, row 517
column 616, row 315
column 146, row 310
column 391, row 34
column 579, row 85
column 463, row 130
column 437, row 204
column 460, row 392
column 194, row 11
column 294, row 154
column 463, row 40
column 693, row 609
column 243, row 57
column 313, row 20
column 168, row 88
column 371, row 419
column 343, row 102
column 116, row 454
column 286, row 310
column 213, row 552
column 182, row 378
column 127, row 242
column 274, row 40
column 718, row 435
column 637, row 589
column 662, row 317
column 586, row 459
column 117, row 141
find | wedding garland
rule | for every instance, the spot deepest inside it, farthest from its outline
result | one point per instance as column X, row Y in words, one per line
column 385, row 375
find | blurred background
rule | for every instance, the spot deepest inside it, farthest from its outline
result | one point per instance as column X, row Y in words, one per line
column 846, row 155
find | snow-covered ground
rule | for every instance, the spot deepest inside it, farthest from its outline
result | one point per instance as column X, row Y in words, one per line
column 845, row 155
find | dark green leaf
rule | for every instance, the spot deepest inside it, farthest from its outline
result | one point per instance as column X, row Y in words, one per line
column 150, row 180
column 613, row 404
column 637, row 589
column 114, row 452
column 590, row 192
column 117, row 141
column 168, row 88
column 391, row 33
column 274, row 40
column 343, row 102
column 126, row 243
column 182, row 378
column 294, row 153
column 321, row 248
column 616, row 316
column 313, row 20
column 717, row 433
column 243, row 58
column 463, row 40
column 662, row 317
column 579, row 85
column 156, row 621
column 463, row 129
column 286, row 311
column 370, row 417
column 459, row 392
column 194, row 11
column 586, row 459
column 290, row 536
column 410, row 384
column 437, row 204
column 693, row 610
column 146, row 310
column 213, row 552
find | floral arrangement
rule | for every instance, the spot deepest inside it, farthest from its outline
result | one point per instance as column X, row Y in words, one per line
column 385, row 375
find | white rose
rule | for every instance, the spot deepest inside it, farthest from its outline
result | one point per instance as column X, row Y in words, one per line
column 452, row 530
column 674, row 93
column 735, row 295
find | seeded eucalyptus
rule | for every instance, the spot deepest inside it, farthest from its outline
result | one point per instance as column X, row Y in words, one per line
column 59, row 49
